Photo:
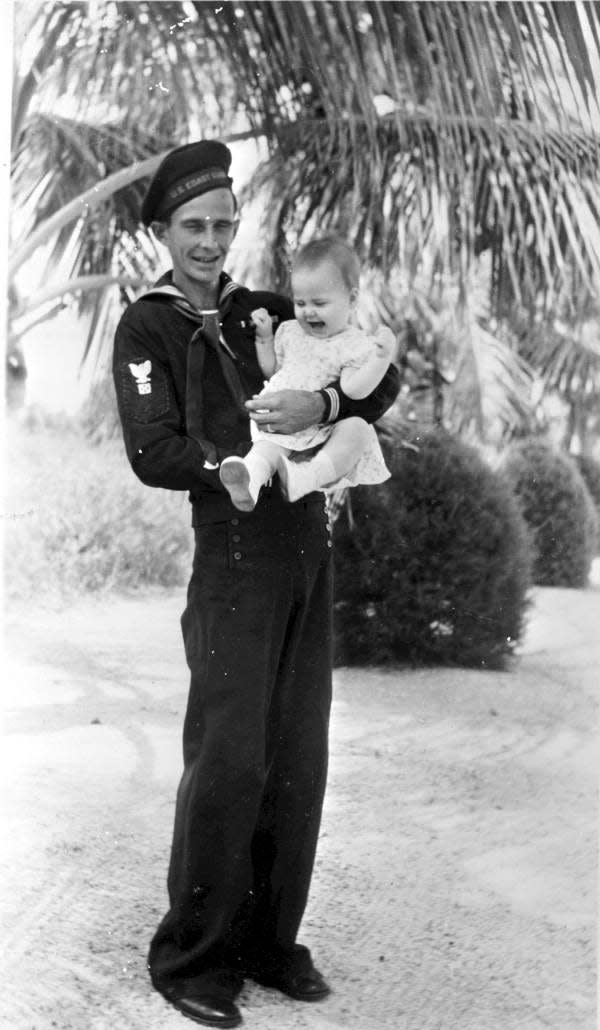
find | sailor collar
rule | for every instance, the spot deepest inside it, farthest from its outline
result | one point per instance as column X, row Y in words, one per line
column 165, row 288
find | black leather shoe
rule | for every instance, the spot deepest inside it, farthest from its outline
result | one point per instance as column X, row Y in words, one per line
column 209, row 1010
column 308, row 985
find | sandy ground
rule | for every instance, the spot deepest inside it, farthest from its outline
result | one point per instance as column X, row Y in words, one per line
column 455, row 881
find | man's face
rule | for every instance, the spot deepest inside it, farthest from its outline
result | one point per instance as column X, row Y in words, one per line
column 198, row 236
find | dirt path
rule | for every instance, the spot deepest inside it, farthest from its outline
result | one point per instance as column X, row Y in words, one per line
column 455, row 879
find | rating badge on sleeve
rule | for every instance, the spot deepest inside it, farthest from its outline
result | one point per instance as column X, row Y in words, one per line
column 141, row 374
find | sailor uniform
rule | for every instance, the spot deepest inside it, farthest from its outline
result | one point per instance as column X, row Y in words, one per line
column 257, row 635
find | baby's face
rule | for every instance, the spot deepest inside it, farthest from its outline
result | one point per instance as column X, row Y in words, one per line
column 322, row 301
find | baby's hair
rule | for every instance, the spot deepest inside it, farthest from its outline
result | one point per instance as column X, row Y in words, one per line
column 330, row 248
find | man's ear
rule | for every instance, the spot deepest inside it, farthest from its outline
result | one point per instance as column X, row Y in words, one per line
column 160, row 231
column 354, row 296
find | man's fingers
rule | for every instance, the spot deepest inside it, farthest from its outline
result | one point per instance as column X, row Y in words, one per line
column 258, row 410
column 289, row 411
column 259, row 402
column 262, row 418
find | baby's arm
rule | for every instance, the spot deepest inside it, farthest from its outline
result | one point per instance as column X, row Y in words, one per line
column 264, row 342
column 360, row 382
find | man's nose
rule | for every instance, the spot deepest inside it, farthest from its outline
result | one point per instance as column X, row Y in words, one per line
column 208, row 236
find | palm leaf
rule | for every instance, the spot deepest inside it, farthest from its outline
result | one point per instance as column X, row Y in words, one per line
column 521, row 204
column 492, row 391
column 483, row 144
column 510, row 182
column 565, row 356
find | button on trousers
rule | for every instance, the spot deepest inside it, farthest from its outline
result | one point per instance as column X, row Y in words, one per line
column 257, row 635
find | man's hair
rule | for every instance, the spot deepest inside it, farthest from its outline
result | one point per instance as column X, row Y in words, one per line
column 330, row 248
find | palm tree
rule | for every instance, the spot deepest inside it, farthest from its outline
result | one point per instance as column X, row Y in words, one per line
column 450, row 141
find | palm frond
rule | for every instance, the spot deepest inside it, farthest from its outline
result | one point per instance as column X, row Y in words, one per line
column 464, row 132
column 63, row 170
column 532, row 205
column 139, row 61
column 83, row 283
column 566, row 356
column 492, row 391
column 479, row 120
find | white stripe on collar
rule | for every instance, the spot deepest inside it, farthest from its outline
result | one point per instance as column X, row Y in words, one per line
column 169, row 290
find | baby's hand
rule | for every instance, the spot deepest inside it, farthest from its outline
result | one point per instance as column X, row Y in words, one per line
column 264, row 326
column 385, row 342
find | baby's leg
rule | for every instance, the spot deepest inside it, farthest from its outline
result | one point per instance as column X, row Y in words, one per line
column 341, row 451
column 243, row 477
column 335, row 459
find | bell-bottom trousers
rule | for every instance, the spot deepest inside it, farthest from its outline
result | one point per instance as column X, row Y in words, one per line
column 257, row 635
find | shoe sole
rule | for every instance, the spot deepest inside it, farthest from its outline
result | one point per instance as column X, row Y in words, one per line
column 226, row 1023
column 316, row 996
column 236, row 480
column 307, row 997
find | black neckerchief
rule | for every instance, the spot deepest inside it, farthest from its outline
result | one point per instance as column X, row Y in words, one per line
column 208, row 333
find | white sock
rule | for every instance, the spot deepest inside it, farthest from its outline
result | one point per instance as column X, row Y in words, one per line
column 260, row 471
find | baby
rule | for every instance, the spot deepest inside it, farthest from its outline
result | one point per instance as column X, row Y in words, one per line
column 321, row 345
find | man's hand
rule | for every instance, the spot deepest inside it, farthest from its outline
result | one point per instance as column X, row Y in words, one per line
column 286, row 411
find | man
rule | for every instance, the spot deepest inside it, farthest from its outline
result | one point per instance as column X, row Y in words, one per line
column 257, row 623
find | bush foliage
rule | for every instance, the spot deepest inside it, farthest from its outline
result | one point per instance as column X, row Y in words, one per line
column 557, row 507
column 437, row 564
column 590, row 471
column 80, row 521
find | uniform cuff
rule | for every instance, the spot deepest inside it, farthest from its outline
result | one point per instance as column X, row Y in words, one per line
column 332, row 404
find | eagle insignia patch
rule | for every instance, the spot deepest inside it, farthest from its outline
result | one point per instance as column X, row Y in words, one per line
column 141, row 374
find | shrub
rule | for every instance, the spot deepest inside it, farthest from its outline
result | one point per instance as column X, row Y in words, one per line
column 436, row 566
column 590, row 470
column 79, row 521
column 558, row 509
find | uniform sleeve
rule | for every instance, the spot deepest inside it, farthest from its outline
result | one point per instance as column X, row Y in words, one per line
column 153, row 425
column 338, row 405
